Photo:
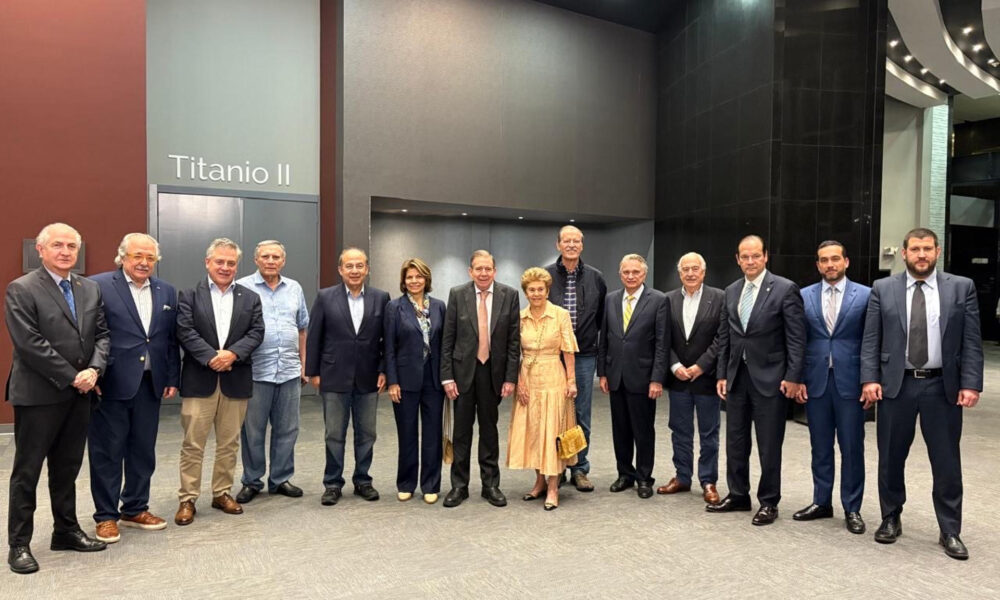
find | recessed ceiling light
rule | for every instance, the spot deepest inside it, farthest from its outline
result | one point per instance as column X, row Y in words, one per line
column 572, row 220
column 977, row 47
column 893, row 43
column 404, row 210
column 520, row 218
column 923, row 71
column 908, row 58
column 941, row 81
column 465, row 214
column 967, row 30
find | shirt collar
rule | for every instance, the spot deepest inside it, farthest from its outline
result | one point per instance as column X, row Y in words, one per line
column 930, row 282
column 56, row 277
column 258, row 279
column 351, row 296
column 697, row 294
column 635, row 294
column 145, row 284
column 840, row 285
column 489, row 289
column 562, row 267
column 550, row 311
column 212, row 286
column 759, row 280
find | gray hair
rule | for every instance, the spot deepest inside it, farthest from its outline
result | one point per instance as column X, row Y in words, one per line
column 482, row 254
column 223, row 243
column 340, row 259
column 43, row 236
column 256, row 251
column 701, row 260
column 566, row 228
column 636, row 257
column 129, row 237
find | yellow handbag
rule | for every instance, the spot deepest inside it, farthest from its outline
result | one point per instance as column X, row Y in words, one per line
column 570, row 442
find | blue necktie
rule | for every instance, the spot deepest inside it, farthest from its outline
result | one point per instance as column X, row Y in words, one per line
column 746, row 304
column 68, row 295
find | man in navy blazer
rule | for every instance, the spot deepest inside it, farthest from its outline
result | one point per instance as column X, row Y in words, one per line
column 344, row 360
column 835, row 320
column 632, row 366
column 762, row 335
column 922, row 353
column 143, row 367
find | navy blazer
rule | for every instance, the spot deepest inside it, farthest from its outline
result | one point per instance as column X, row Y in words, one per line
column 344, row 360
column 700, row 347
column 638, row 356
column 883, row 350
column 130, row 342
column 404, row 344
column 844, row 345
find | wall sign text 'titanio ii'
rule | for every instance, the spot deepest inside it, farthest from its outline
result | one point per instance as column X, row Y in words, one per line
column 196, row 169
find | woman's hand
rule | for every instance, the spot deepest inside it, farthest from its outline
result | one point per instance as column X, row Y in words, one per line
column 395, row 393
column 571, row 390
column 523, row 395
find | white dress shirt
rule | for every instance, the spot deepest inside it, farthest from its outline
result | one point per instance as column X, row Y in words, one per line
column 689, row 311
column 933, row 303
column 357, row 306
column 635, row 299
column 838, row 301
column 222, row 308
column 142, row 295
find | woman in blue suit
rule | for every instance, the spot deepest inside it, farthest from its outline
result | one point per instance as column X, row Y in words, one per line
column 413, row 324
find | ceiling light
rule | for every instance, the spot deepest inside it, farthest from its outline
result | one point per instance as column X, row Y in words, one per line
column 941, row 81
column 465, row 214
column 893, row 43
column 572, row 220
column 977, row 47
column 908, row 58
column 520, row 218
column 404, row 210
column 923, row 71
column 967, row 30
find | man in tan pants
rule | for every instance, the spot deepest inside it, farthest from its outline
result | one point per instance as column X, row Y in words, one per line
column 219, row 324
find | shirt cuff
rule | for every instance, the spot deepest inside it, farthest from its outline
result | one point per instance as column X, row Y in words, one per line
column 674, row 367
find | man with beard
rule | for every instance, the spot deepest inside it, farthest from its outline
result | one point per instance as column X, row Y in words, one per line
column 922, row 353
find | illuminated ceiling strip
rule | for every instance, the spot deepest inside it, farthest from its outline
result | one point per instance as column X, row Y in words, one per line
column 991, row 23
column 906, row 88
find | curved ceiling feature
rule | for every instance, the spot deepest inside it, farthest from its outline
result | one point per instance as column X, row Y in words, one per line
column 906, row 88
column 991, row 23
column 922, row 26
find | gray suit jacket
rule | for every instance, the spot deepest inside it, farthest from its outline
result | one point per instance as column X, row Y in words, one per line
column 635, row 357
column 460, row 338
column 49, row 348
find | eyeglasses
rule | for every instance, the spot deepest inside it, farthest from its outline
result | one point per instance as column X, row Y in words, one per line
column 143, row 257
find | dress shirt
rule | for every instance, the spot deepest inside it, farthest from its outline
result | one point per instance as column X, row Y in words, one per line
column 933, row 303
column 759, row 281
column 277, row 359
column 357, row 306
column 222, row 308
column 635, row 298
column 838, row 301
column 689, row 311
column 142, row 295
column 57, row 278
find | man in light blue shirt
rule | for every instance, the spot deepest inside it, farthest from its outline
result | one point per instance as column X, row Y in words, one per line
column 277, row 376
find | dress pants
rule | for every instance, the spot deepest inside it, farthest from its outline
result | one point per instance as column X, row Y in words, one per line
column 584, row 366
column 831, row 414
column 338, row 410
column 420, row 456
column 122, row 435
column 683, row 406
column 277, row 403
column 198, row 416
column 941, row 425
column 633, row 432
column 746, row 406
column 482, row 402
column 58, row 433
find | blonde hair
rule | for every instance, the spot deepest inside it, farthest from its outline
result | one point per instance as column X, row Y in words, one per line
column 535, row 274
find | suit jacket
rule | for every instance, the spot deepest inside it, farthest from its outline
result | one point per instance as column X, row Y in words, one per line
column 344, row 360
column 404, row 344
column 50, row 348
column 635, row 357
column 883, row 350
column 197, row 335
column 774, row 342
column 590, row 294
column 844, row 345
column 700, row 348
column 460, row 338
column 130, row 343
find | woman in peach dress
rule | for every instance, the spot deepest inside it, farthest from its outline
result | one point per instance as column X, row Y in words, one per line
column 545, row 389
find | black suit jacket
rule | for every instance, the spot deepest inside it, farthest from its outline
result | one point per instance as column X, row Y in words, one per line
column 50, row 348
column 460, row 339
column 197, row 335
column 404, row 344
column 346, row 360
column 700, row 348
column 638, row 356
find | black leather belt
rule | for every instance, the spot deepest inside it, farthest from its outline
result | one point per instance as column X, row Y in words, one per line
column 923, row 373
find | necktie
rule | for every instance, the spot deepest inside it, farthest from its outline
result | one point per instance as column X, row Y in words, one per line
column 484, row 329
column 68, row 295
column 746, row 305
column 831, row 309
column 628, row 312
column 917, row 348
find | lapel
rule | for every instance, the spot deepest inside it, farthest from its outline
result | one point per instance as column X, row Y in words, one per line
column 238, row 311
column 495, row 311
column 816, row 299
column 156, row 295
column 616, row 312
column 946, row 295
column 470, row 303
column 121, row 286
column 850, row 293
column 703, row 306
column 762, row 295
column 369, row 308
column 204, row 296
column 677, row 310
column 410, row 314
column 640, row 304
column 57, row 296
column 340, row 303
column 898, row 288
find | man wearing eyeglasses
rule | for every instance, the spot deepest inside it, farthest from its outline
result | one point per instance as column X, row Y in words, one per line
column 143, row 367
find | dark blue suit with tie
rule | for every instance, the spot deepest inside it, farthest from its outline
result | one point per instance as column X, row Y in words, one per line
column 834, row 389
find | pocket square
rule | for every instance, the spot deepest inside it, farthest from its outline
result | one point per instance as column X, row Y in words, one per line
column 167, row 307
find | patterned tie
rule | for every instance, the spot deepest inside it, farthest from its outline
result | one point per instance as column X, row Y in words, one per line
column 68, row 295
column 484, row 329
column 746, row 304
column 628, row 312
column 831, row 309
column 917, row 348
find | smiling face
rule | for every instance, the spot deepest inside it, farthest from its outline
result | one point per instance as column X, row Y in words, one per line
column 221, row 266
column 139, row 260
column 353, row 269
column 831, row 263
column 920, row 256
column 570, row 245
column 691, row 273
column 482, row 272
column 60, row 251
column 415, row 282
column 537, row 293
column 633, row 274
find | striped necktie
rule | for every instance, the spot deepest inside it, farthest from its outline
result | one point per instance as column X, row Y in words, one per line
column 746, row 304
column 628, row 312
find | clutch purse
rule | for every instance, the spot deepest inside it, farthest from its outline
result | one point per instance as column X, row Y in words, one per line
column 570, row 442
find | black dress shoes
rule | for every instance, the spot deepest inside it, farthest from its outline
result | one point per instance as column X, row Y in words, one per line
column 645, row 489
column 330, row 497
column 456, row 496
column 765, row 515
column 366, row 491
column 21, row 561
column 494, row 496
column 890, row 529
column 287, row 489
column 854, row 522
column 953, row 546
column 247, row 494
column 729, row 504
column 813, row 512
column 621, row 484
column 76, row 540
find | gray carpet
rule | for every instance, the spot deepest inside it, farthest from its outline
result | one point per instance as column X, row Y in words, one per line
column 594, row 546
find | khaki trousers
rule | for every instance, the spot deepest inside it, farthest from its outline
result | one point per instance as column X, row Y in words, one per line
column 198, row 415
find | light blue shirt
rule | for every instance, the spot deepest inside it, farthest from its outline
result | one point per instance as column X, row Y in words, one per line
column 357, row 306
column 933, row 303
column 277, row 360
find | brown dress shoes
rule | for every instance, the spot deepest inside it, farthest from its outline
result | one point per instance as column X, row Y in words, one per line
column 226, row 504
column 673, row 486
column 144, row 520
column 185, row 513
column 107, row 532
column 710, row 494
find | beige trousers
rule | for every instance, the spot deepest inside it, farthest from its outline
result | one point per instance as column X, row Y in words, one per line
column 198, row 415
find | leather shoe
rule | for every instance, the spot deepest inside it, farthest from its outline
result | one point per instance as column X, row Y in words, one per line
column 729, row 504
column 226, row 504
column 709, row 494
column 854, row 522
column 494, row 496
column 247, row 494
column 21, row 561
column 76, row 540
column 582, row 482
column 621, row 484
column 673, row 486
column 645, row 489
column 953, row 546
column 287, row 489
column 890, row 529
column 185, row 513
column 366, row 491
column 765, row 515
column 813, row 512
column 456, row 496
column 330, row 497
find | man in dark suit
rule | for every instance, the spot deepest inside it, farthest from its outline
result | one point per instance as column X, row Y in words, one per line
column 632, row 365
column 344, row 360
column 143, row 366
column 480, row 348
column 219, row 324
column 762, row 335
column 60, row 342
column 694, row 323
column 922, row 353
column 835, row 320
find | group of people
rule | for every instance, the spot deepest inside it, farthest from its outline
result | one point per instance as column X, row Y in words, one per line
column 93, row 357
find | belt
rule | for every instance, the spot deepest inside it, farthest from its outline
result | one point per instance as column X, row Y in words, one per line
column 923, row 373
